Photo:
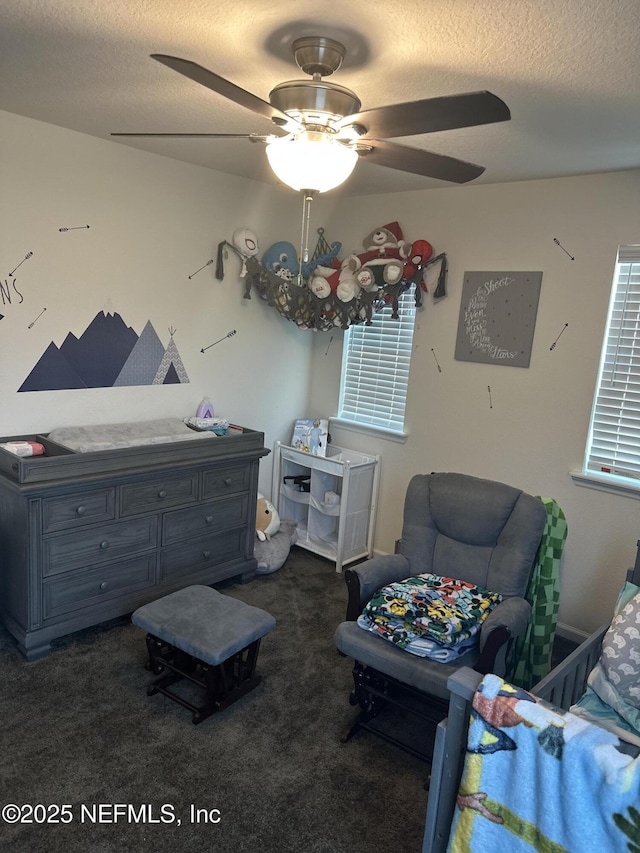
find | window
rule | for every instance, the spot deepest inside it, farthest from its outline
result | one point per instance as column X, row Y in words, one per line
column 613, row 445
column 375, row 369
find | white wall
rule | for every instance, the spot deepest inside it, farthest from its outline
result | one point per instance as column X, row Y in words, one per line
column 153, row 222
column 535, row 433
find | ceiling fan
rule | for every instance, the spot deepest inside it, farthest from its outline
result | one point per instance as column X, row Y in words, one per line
column 326, row 121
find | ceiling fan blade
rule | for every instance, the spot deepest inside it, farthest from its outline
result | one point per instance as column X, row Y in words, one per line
column 430, row 115
column 225, row 88
column 419, row 162
column 254, row 137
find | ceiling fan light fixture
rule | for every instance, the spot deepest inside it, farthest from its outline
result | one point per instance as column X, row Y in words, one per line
column 311, row 160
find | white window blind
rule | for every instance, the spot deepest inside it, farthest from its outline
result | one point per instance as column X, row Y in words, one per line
column 613, row 445
column 375, row 368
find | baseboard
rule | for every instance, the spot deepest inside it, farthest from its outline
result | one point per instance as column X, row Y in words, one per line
column 571, row 633
column 396, row 550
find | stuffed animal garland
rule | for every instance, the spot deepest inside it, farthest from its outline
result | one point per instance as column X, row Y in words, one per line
column 325, row 292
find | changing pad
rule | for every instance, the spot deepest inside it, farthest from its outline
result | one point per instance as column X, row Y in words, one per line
column 86, row 439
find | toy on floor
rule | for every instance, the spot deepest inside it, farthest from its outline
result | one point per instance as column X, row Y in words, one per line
column 274, row 537
column 272, row 553
column 267, row 519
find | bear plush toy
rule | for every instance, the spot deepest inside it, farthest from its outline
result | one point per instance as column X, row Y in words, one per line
column 383, row 258
column 274, row 537
column 267, row 519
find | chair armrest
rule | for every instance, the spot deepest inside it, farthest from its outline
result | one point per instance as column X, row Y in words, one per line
column 507, row 621
column 365, row 578
column 512, row 614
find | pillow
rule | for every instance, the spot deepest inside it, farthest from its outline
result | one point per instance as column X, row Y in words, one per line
column 621, row 649
column 443, row 611
column 616, row 676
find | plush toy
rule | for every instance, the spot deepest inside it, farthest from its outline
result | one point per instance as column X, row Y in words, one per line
column 348, row 286
column 319, row 283
column 282, row 259
column 323, row 260
column 271, row 555
column 245, row 243
column 382, row 261
column 267, row 519
column 340, row 281
column 386, row 240
column 419, row 253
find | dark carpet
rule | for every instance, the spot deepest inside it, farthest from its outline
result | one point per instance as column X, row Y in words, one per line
column 269, row 774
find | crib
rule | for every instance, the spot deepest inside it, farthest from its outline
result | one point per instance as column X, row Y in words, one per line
column 562, row 687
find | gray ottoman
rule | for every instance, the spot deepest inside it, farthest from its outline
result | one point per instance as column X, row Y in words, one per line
column 206, row 637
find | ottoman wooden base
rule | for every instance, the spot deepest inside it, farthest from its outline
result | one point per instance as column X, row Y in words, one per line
column 206, row 638
column 223, row 683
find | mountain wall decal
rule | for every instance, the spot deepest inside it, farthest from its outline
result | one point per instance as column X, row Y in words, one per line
column 144, row 359
column 108, row 353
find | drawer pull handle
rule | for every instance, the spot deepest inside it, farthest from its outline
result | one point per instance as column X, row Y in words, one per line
column 228, row 481
column 206, row 555
column 104, row 545
column 104, row 585
column 208, row 519
column 162, row 494
column 81, row 510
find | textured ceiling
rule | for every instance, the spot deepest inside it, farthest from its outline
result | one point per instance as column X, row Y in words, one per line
column 569, row 70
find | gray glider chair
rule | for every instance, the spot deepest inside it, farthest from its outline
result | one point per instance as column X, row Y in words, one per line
column 456, row 526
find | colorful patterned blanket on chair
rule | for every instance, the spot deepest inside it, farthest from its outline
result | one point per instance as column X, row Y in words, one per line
column 537, row 778
column 429, row 615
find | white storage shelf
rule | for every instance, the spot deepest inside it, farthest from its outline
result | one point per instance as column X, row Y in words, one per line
column 336, row 517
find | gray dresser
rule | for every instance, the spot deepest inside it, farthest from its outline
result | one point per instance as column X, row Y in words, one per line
column 86, row 537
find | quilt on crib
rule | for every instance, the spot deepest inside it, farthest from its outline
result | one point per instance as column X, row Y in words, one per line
column 537, row 778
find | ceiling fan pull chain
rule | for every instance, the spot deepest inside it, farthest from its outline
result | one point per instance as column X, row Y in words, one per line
column 304, row 233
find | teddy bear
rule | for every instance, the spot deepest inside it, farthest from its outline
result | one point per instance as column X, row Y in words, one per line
column 267, row 519
column 383, row 260
column 341, row 281
column 319, row 281
column 386, row 240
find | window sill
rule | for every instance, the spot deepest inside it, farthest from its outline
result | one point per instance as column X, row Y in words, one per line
column 625, row 486
column 366, row 429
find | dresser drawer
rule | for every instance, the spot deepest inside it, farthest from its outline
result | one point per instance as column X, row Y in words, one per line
column 96, row 545
column 88, row 587
column 201, row 553
column 217, row 482
column 158, row 493
column 213, row 517
column 77, row 510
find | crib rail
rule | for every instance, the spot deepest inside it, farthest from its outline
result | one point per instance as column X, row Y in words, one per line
column 448, row 759
column 566, row 683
